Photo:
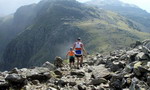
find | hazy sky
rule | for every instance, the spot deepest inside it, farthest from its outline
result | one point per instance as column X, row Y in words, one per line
column 10, row 6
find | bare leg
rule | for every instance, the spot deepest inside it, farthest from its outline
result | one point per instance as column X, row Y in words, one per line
column 73, row 64
column 70, row 65
column 81, row 61
column 78, row 62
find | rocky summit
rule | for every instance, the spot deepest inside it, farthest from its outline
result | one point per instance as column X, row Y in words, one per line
column 127, row 69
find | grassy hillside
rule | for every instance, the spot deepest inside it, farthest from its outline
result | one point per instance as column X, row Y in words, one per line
column 138, row 15
column 110, row 31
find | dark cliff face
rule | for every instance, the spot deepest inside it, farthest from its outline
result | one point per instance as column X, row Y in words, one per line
column 12, row 25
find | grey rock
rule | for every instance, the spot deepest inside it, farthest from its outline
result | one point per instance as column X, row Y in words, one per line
column 142, row 85
column 49, row 65
column 148, row 80
column 58, row 62
column 52, row 80
column 133, row 85
column 4, row 85
column 90, row 62
column 137, row 72
column 116, row 82
column 115, row 66
column 53, row 85
column 136, row 44
column 146, row 47
column 128, row 69
column 100, row 61
column 35, row 71
column 58, row 73
column 136, row 84
column 62, row 83
column 141, row 56
column 124, row 57
column 98, row 81
column 15, row 78
column 36, row 82
column 146, row 43
column 72, row 83
column 98, row 55
column 52, row 88
column 15, row 70
column 81, row 87
column 38, row 73
column 100, row 71
column 132, row 54
column 16, row 81
column 139, row 69
column 78, row 73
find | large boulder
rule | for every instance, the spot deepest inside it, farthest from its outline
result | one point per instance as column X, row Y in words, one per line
column 97, row 81
column 132, row 54
column 17, row 81
column 15, row 78
column 58, row 73
column 100, row 71
column 136, row 84
column 115, row 66
column 137, row 43
column 116, row 82
column 38, row 73
column 146, row 47
column 81, row 87
column 78, row 73
column 142, row 56
column 58, row 62
column 4, row 85
column 140, row 69
column 49, row 65
column 148, row 80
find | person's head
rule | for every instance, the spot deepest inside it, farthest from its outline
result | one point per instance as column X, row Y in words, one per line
column 78, row 39
column 71, row 49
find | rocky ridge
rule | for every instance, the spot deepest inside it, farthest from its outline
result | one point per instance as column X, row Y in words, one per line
column 120, row 70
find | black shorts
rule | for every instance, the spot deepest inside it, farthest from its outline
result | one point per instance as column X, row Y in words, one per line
column 71, row 60
column 78, row 55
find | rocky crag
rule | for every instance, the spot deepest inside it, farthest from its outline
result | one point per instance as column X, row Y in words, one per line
column 120, row 70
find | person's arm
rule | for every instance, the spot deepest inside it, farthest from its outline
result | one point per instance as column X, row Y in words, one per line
column 67, row 55
column 82, row 46
column 74, row 46
column 74, row 53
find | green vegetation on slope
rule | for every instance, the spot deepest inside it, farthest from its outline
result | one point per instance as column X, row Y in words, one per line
column 110, row 33
column 139, row 16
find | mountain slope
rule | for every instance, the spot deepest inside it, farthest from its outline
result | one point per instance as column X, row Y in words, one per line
column 111, row 32
column 5, row 23
column 130, row 11
column 12, row 25
column 47, row 36
column 56, row 26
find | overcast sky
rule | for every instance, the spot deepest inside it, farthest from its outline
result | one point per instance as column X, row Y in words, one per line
column 10, row 6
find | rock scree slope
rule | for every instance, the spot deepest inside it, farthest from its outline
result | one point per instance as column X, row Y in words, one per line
column 119, row 70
